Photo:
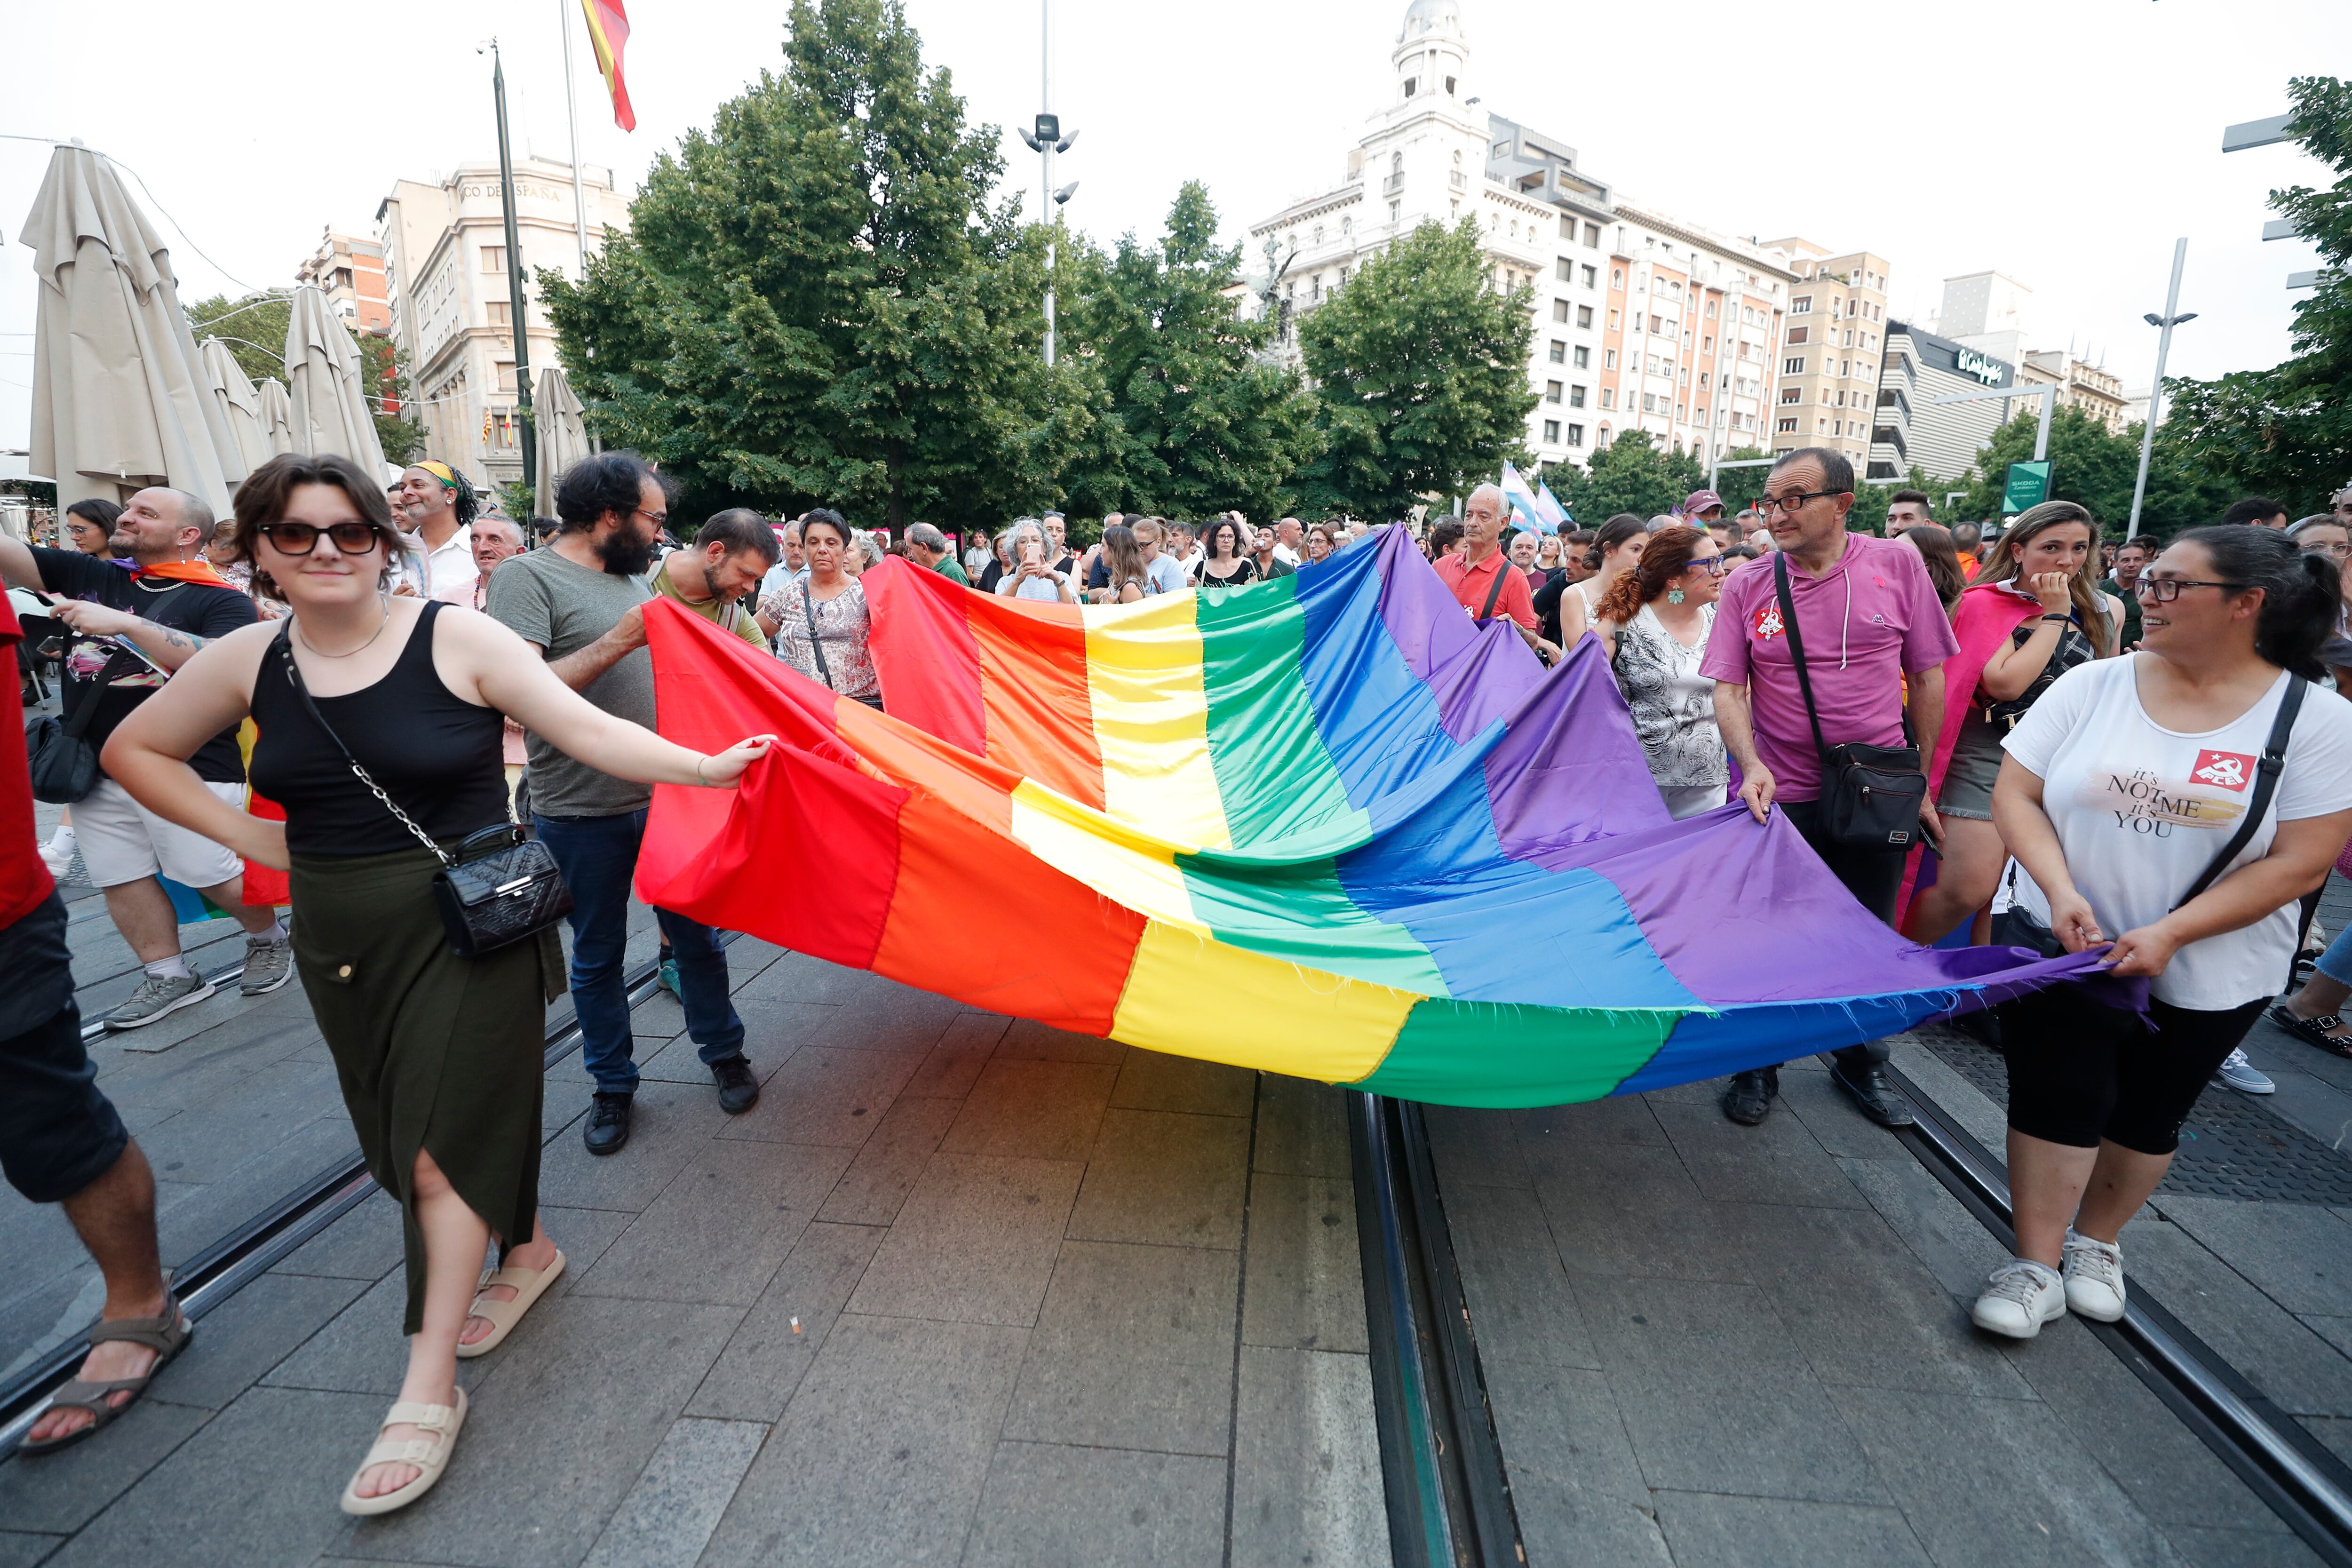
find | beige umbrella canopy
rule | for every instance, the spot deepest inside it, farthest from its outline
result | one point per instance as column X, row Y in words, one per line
column 276, row 417
column 322, row 385
column 240, row 406
column 562, row 434
column 120, row 399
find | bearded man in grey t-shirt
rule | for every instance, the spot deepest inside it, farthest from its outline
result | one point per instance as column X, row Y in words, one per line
column 581, row 602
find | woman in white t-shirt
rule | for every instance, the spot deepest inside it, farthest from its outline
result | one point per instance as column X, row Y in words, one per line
column 2121, row 785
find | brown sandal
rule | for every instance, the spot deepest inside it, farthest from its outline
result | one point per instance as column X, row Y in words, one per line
column 164, row 1334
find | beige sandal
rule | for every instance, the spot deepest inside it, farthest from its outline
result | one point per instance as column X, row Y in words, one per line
column 429, row 1454
column 528, row 1285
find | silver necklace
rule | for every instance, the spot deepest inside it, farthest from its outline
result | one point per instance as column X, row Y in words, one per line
column 384, row 621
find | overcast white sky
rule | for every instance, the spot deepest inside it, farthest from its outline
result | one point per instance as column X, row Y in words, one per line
column 2064, row 143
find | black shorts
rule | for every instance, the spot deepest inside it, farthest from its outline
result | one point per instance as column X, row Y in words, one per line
column 57, row 1132
column 2080, row 1074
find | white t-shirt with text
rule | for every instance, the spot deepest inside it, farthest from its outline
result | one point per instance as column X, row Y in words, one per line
column 2142, row 810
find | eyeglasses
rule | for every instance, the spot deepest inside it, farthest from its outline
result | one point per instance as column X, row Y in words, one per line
column 2164, row 590
column 1791, row 503
column 302, row 538
column 660, row 519
column 2339, row 552
column 1717, row 566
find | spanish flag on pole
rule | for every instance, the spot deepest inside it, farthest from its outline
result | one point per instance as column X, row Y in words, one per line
column 608, row 30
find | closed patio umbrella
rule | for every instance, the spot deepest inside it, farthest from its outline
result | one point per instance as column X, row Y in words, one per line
column 276, row 417
column 240, row 406
column 325, row 398
column 120, row 399
column 562, row 434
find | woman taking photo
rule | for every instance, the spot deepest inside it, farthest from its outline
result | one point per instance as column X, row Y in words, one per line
column 820, row 620
column 2122, row 788
column 1033, row 573
column 1130, row 574
column 1222, row 563
column 439, row 1055
column 2033, row 614
column 1657, row 616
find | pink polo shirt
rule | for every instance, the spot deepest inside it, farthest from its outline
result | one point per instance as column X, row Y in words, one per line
column 1869, row 620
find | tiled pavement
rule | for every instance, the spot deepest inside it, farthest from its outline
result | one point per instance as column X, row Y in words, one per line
column 960, row 1289
column 1710, row 1344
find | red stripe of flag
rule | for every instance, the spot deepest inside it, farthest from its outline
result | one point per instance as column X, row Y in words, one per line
column 608, row 31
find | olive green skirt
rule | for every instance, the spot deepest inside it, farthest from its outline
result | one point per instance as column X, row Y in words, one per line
column 433, row 1051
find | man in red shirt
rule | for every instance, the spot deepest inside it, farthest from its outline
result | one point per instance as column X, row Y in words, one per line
column 1481, row 576
column 60, row 1139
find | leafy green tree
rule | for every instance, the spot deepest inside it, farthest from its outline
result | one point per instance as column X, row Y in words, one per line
column 2286, row 432
column 1421, row 367
column 1196, row 422
column 816, row 302
column 2094, row 467
column 1630, row 474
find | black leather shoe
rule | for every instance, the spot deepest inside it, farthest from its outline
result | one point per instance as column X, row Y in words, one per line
column 1878, row 1098
column 608, row 1124
column 738, row 1091
column 1749, row 1099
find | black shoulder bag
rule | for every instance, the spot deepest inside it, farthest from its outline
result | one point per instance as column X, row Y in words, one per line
column 2025, row 931
column 499, row 887
column 65, row 766
column 1869, row 795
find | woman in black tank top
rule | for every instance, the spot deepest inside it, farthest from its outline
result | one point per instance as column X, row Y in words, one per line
column 438, row 1055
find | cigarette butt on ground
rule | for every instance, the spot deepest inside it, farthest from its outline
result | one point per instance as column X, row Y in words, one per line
column 796, row 1325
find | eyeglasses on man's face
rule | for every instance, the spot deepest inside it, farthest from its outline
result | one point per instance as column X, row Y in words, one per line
column 2164, row 590
column 1791, row 503
column 302, row 538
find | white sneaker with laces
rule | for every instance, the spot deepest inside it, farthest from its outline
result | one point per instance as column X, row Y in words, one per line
column 2094, row 1277
column 2244, row 1076
column 2021, row 1297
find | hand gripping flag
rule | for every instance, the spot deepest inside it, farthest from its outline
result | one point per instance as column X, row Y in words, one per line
column 1325, row 826
column 608, row 31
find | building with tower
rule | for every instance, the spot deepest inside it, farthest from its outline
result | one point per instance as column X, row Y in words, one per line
column 1643, row 322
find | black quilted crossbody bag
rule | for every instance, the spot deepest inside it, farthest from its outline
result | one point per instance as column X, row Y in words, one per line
column 1869, row 795
column 499, row 886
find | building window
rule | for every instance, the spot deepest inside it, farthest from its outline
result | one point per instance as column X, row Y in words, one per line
column 1583, row 319
column 501, row 314
column 1559, row 310
column 1563, row 270
column 1710, row 310
column 1583, row 355
column 1576, row 397
column 1608, row 361
column 1592, row 237
column 1608, row 397
column 1552, row 432
column 1614, row 317
column 1803, row 305
column 1411, row 83
column 1787, row 427
column 1393, row 208
column 1649, row 403
column 1792, row 394
column 1702, row 377
column 1682, row 414
column 1592, row 277
column 1568, row 229
column 494, row 258
column 1551, row 392
column 1797, row 334
column 1616, row 278
column 1558, row 352
column 506, row 377
column 1576, row 435
column 1794, row 366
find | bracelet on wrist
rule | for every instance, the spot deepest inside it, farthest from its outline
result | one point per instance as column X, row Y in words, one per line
column 697, row 772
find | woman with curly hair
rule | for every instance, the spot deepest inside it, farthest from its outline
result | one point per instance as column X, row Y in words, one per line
column 1656, row 616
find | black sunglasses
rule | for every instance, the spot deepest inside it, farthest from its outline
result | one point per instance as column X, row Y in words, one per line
column 302, row 538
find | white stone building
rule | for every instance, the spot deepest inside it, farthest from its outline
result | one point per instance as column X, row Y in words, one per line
column 445, row 270
column 1643, row 322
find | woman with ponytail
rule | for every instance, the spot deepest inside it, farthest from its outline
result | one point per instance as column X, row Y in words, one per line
column 2137, row 797
column 2030, row 615
column 1655, row 618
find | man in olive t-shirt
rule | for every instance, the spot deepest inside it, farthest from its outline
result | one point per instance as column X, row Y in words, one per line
column 729, row 556
column 581, row 602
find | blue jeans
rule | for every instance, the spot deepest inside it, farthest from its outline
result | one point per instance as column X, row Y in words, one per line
column 598, row 855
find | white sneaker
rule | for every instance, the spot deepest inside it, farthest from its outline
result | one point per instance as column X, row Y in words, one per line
column 2022, row 1296
column 2094, row 1277
column 2244, row 1076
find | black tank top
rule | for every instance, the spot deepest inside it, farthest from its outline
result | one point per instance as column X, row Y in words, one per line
column 441, row 757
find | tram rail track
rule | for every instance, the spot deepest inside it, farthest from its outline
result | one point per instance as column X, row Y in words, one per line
column 220, row 1270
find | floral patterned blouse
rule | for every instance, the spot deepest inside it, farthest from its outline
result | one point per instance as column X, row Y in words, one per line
column 842, row 623
column 1673, row 704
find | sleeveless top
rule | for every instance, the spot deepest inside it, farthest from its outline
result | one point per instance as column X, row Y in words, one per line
column 439, row 755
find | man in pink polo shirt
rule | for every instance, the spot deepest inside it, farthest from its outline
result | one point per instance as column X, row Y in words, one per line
column 1869, row 617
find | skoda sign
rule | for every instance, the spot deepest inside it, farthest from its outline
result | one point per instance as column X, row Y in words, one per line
column 1968, row 361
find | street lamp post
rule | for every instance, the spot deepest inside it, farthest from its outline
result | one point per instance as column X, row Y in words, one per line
column 2171, row 318
column 516, row 306
column 1046, row 139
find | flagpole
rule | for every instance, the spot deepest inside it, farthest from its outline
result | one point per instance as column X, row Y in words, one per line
column 516, row 306
column 571, row 114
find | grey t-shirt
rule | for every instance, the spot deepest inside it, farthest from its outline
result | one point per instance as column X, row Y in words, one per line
column 563, row 608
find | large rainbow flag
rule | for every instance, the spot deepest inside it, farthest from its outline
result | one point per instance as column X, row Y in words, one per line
column 1323, row 825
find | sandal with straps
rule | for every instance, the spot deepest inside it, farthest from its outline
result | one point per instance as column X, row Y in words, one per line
column 2313, row 1030
column 164, row 1334
column 528, row 1285
column 429, row 1454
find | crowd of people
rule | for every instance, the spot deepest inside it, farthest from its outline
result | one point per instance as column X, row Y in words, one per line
column 414, row 681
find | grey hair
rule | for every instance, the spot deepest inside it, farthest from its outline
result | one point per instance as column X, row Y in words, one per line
column 503, row 520
column 924, row 534
column 867, row 546
column 1010, row 537
column 1482, row 489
